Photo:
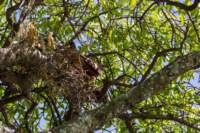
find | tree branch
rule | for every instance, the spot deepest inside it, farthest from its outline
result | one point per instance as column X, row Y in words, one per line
column 129, row 117
column 180, row 5
column 153, row 85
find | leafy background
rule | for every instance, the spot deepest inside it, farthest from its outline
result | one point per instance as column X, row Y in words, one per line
column 128, row 38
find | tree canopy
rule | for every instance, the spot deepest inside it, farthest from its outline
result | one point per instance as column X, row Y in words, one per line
column 79, row 66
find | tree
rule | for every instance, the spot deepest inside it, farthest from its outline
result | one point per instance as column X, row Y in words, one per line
column 82, row 65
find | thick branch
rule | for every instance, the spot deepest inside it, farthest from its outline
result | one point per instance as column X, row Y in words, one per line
column 155, row 84
column 92, row 120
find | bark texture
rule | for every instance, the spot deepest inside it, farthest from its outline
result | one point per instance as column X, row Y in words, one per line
column 153, row 85
column 25, row 62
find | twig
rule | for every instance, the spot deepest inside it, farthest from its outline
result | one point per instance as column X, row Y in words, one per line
column 180, row 5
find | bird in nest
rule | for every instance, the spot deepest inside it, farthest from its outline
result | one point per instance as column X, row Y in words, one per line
column 91, row 68
column 83, row 64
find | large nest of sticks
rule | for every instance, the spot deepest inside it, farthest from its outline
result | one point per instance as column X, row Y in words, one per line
column 60, row 67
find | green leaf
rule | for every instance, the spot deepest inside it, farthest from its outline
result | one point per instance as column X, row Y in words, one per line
column 133, row 3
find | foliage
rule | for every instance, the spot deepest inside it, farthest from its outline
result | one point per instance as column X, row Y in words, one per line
column 132, row 40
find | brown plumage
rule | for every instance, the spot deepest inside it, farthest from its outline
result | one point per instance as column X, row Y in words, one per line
column 81, row 63
column 90, row 67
